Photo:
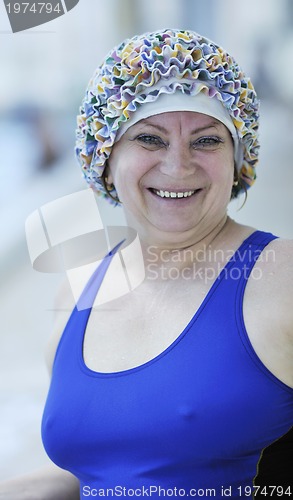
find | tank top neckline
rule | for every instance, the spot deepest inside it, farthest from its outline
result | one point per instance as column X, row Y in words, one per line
column 250, row 240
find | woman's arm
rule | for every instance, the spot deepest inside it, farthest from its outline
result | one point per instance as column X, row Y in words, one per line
column 49, row 483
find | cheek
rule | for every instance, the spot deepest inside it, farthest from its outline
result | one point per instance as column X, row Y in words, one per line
column 129, row 170
column 222, row 168
column 220, row 177
column 124, row 163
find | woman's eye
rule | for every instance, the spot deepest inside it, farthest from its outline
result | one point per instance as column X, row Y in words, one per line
column 206, row 142
column 151, row 140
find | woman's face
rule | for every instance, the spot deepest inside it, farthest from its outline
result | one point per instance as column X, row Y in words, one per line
column 173, row 172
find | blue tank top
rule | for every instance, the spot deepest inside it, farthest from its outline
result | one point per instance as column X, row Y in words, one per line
column 192, row 421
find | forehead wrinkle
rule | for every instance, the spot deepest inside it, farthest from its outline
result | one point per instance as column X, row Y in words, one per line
column 214, row 123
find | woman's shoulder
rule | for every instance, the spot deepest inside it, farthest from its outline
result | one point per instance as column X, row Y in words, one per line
column 283, row 247
column 275, row 266
column 280, row 259
column 277, row 254
column 275, row 282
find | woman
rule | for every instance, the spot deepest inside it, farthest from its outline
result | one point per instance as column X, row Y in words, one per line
column 177, row 387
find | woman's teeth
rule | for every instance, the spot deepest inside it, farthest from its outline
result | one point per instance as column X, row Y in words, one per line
column 171, row 194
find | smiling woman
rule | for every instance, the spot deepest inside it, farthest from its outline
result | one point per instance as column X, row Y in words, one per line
column 178, row 377
column 182, row 383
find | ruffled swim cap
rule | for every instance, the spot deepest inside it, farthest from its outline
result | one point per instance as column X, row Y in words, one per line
column 164, row 62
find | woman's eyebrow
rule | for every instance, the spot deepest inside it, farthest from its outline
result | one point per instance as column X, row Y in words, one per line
column 159, row 127
column 145, row 121
column 212, row 124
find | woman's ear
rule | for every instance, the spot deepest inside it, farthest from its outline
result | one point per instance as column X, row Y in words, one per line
column 107, row 174
column 107, row 181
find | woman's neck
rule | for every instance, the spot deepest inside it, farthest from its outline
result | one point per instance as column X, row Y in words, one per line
column 187, row 252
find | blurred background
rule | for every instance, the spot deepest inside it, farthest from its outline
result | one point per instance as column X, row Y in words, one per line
column 44, row 74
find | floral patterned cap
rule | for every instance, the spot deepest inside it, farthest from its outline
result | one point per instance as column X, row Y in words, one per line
column 143, row 67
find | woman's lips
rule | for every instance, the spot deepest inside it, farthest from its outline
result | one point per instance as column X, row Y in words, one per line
column 174, row 194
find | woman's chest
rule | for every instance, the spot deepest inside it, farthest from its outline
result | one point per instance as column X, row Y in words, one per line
column 140, row 327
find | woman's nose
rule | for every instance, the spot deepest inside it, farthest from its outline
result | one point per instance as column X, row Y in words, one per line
column 177, row 161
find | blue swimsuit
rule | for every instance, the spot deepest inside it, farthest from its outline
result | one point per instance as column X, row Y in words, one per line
column 192, row 421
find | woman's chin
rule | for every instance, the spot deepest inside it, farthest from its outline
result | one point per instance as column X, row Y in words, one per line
column 169, row 235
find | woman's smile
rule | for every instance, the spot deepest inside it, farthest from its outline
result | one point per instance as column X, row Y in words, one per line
column 174, row 198
column 167, row 193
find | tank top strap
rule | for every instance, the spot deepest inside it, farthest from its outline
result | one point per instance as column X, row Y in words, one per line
column 89, row 293
column 260, row 238
column 80, row 314
column 250, row 250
